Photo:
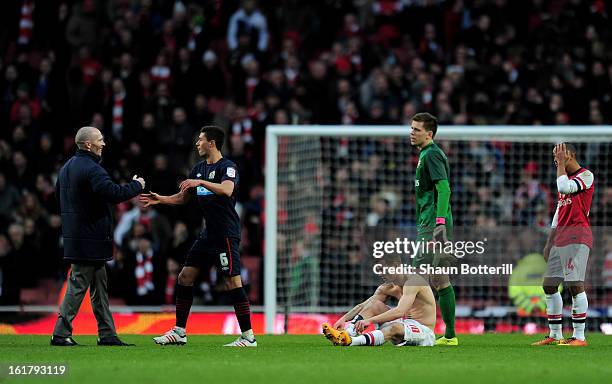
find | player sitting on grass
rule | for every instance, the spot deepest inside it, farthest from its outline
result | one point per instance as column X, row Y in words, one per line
column 372, row 306
column 410, row 323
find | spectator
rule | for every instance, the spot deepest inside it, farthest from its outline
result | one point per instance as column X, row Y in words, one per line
column 9, row 200
column 161, row 72
column 211, row 79
column 181, row 242
column 121, row 112
column 248, row 28
column 146, row 135
column 153, row 223
column 530, row 198
column 82, row 25
column 142, row 267
column 9, row 267
column 22, row 176
column 21, row 253
column 200, row 114
column 184, row 73
column 23, row 99
column 161, row 106
column 8, row 87
column 178, row 139
column 163, row 180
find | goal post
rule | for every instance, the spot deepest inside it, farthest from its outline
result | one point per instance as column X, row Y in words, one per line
column 297, row 155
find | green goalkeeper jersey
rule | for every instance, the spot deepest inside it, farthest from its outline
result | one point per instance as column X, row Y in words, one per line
column 432, row 167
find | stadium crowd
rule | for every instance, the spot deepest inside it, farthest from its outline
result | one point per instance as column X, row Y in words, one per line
column 150, row 73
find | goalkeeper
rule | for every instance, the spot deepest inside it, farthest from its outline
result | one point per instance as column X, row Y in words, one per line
column 433, row 212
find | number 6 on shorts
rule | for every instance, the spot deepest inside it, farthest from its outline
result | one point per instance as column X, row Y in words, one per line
column 223, row 259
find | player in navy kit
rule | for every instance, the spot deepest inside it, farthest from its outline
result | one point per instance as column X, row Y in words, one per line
column 213, row 182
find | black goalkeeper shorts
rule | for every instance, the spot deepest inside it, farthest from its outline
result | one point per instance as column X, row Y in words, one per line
column 220, row 251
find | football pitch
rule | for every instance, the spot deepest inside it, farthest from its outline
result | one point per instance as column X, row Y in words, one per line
column 313, row 360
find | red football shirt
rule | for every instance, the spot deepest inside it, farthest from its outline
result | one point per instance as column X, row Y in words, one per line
column 572, row 215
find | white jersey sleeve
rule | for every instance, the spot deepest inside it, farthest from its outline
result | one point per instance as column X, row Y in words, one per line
column 581, row 182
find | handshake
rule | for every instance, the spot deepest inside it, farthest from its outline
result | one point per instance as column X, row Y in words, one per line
column 146, row 198
column 149, row 198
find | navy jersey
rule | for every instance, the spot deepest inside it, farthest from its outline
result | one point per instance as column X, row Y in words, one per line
column 219, row 211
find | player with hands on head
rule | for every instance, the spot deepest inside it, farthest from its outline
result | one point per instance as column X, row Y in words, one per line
column 568, row 246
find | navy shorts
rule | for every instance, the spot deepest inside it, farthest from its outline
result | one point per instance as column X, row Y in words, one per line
column 220, row 251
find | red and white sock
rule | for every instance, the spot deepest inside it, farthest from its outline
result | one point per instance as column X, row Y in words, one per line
column 580, row 304
column 371, row 338
column 554, row 310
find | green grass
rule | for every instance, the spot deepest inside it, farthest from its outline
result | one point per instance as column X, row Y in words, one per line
column 312, row 360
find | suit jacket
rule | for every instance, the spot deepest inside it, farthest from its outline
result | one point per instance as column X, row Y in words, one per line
column 85, row 193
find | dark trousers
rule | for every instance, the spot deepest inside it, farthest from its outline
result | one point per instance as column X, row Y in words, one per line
column 83, row 277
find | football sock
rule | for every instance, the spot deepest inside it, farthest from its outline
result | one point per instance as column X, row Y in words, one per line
column 447, row 307
column 579, row 309
column 184, row 299
column 350, row 326
column 554, row 310
column 371, row 338
column 242, row 308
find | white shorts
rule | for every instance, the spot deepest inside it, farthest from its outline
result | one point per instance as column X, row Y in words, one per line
column 568, row 263
column 415, row 333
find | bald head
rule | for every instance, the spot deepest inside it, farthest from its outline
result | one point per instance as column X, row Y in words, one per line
column 90, row 139
column 86, row 134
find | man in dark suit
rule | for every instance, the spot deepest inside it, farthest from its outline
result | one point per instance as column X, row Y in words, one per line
column 85, row 193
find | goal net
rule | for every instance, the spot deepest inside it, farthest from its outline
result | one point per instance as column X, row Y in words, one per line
column 332, row 192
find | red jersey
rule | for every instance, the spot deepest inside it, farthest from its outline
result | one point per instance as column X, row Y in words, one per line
column 573, row 206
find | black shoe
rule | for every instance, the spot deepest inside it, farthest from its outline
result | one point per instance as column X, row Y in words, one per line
column 113, row 341
column 63, row 341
